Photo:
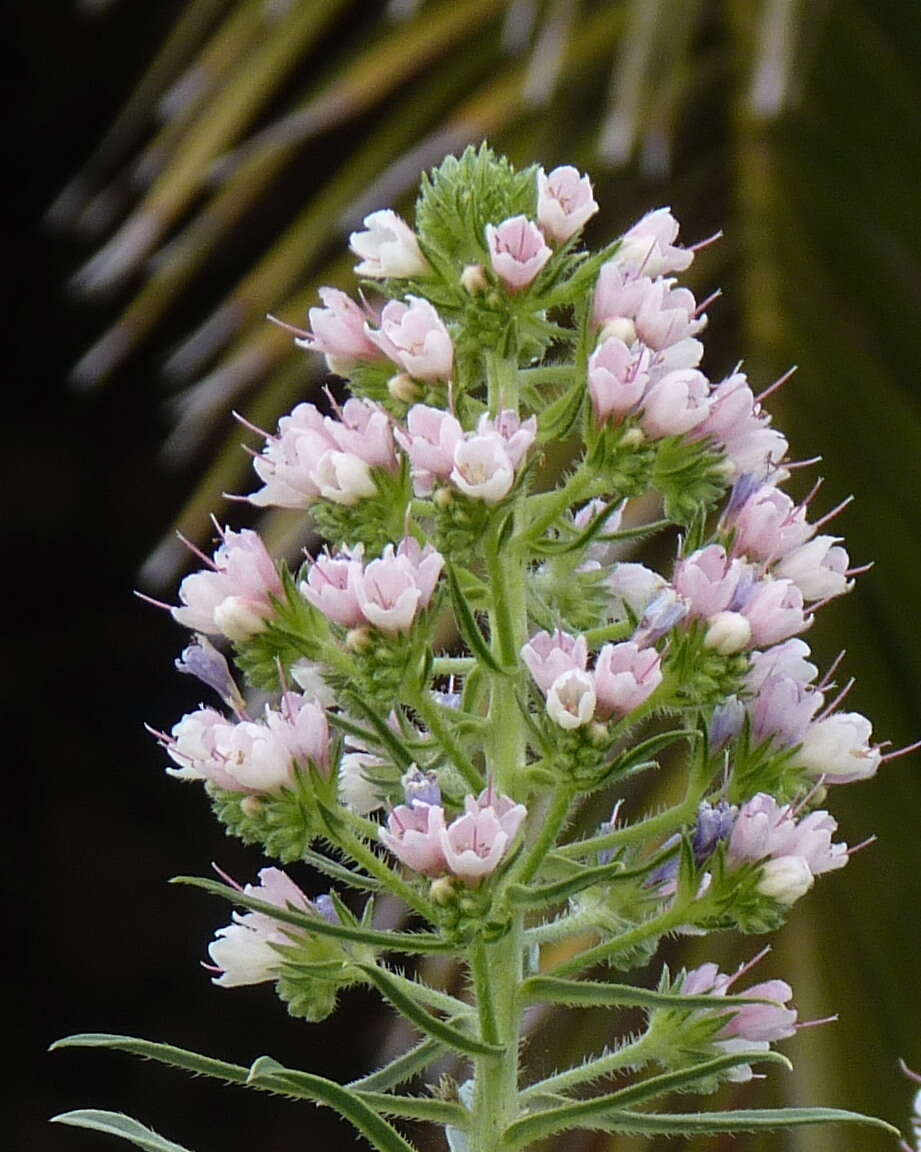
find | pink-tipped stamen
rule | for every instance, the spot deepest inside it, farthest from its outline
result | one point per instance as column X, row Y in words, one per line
column 253, row 427
column 706, row 303
column 817, row 1023
column 150, row 600
column 907, row 750
column 839, row 699
column 859, row 571
column 210, row 967
column 701, row 244
column 833, row 513
column 777, row 385
column 826, row 679
column 794, row 464
column 860, row 847
column 227, row 879
column 910, row 1074
column 196, row 551
column 814, row 790
column 299, row 332
column 748, row 966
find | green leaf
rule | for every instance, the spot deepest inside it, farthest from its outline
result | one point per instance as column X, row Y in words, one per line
column 712, row 1123
column 415, row 942
column 385, row 734
column 269, row 1073
column 574, row 1114
column 559, row 417
column 401, row 1068
column 467, row 625
column 587, row 993
column 340, row 872
column 163, row 1053
column 647, row 749
column 439, row 1030
column 560, row 890
column 116, row 1124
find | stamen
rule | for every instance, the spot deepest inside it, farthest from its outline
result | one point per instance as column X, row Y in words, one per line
column 911, row 1076
column 839, row 699
column 900, row 752
column 778, row 384
column 816, row 1023
column 227, row 879
column 826, row 679
column 706, row 303
column 151, row 600
column 748, row 967
column 299, row 332
column 860, row 847
column 253, row 427
column 834, row 512
column 196, row 551
column 701, row 244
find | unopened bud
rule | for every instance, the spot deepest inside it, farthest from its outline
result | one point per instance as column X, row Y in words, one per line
column 621, row 328
column 473, row 279
column 598, row 733
column 251, row 806
column 442, row 890
column 633, row 438
column 785, row 879
column 403, row 387
column 358, row 639
column 729, row 632
column 443, row 498
column 238, row 619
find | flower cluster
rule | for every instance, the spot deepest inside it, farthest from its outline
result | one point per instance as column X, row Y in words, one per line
column 424, row 702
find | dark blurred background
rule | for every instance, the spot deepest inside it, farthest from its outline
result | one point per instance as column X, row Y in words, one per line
column 793, row 125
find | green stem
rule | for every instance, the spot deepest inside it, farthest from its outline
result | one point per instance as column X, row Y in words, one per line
column 657, row 926
column 496, row 969
column 561, row 928
column 629, row 1056
column 453, row 665
column 452, row 747
column 551, row 822
column 502, row 378
column 545, row 508
column 373, row 864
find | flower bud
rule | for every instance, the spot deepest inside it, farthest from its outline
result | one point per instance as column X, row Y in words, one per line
column 785, row 879
column 473, row 279
column 618, row 328
column 728, row 633
column 403, row 387
column 388, row 247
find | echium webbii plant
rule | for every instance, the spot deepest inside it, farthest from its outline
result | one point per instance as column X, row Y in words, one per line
column 469, row 658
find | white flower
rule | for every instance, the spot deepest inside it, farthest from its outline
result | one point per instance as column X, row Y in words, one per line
column 343, row 478
column 571, row 699
column 388, row 248
column 482, row 469
column 839, row 748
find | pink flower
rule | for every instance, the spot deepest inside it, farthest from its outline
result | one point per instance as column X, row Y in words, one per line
column 763, row 1023
column 667, row 315
column 286, row 465
column 618, row 295
column 516, row 437
column 413, row 336
column 414, row 836
column 564, row 202
column 330, row 587
column 708, row 579
column 838, row 747
column 510, row 815
column 676, row 403
column 302, row 727
column 633, row 587
column 625, row 677
column 388, row 248
column 343, row 478
column 737, row 423
column 192, row 746
column 785, row 660
column 769, row 525
column 571, row 699
column 818, row 568
column 483, row 469
column 245, row 951
column 430, row 439
column 775, row 612
column 255, row 755
column 392, row 590
column 616, row 379
column 548, row 656
column 649, row 249
column 474, row 844
column 783, row 709
column 517, row 251
column 339, row 331
column 363, row 430
column 234, row 598
column 796, row 852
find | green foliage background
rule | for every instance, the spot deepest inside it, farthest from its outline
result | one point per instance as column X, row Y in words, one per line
column 794, row 125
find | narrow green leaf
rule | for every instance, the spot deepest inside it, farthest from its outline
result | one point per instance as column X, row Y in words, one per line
column 415, row 942
column 401, row 1068
column 712, row 1123
column 417, row 1108
column 647, row 749
column 116, row 1124
column 269, row 1073
column 340, row 872
column 587, row 993
column 384, row 733
column 560, row 890
column 446, row 1033
column 576, row 1113
column 559, row 417
column 467, row 625
column 163, row 1053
